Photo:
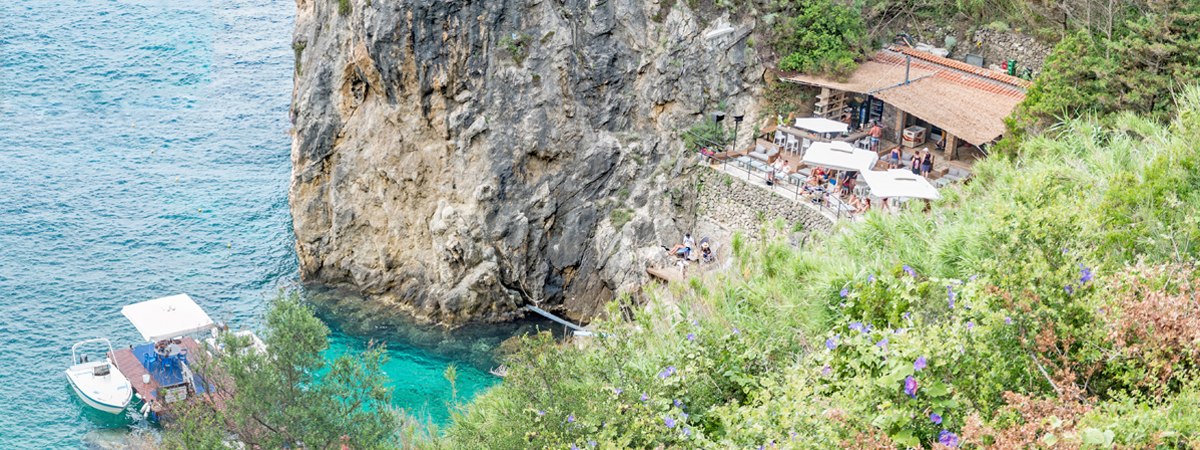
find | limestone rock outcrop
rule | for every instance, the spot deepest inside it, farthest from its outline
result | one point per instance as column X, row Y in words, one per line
column 457, row 160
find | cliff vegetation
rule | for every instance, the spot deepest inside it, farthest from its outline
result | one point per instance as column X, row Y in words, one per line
column 1051, row 303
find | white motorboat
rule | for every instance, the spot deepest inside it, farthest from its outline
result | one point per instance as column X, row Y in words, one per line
column 99, row 383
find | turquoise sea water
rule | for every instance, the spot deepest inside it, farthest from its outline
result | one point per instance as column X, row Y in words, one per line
column 143, row 153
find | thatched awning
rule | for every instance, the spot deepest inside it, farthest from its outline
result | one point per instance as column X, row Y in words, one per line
column 973, row 115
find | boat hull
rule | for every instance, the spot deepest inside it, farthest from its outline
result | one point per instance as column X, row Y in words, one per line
column 113, row 409
column 117, row 390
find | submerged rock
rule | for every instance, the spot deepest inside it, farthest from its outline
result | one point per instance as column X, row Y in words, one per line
column 457, row 160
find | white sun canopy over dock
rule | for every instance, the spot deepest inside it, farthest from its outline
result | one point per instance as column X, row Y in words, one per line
column 167, row 317
column 821, row 125
column 899, row 183
column 839, row 156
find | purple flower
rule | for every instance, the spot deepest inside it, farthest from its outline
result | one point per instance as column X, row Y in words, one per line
column 871, row 278
column 1008, row 320
column 906, row 315
column 937, row 420
column 644, row 397
column 678, row 404
column 857, row 326
column 573, row 447
column 687, row 431
column 825, row 371
column 950, row 293
column 920, row 363
column 910, row 386
column 867, row 328
column 970, row 325
column 1070, row 290
column 909, row 271
column 691, row 337
column 671, row 370
column 845, row 292
column 683, row 415
column 1086, row 274
column 618, row 390
column 1065, row 250
column 830, row 343
column 592, row 443
column 695, row 323
column 540, row 413
column 948, row 439
column 571, row 417
column 973, row 277
column 735, row 331
column 882, row 344
column 670, row 422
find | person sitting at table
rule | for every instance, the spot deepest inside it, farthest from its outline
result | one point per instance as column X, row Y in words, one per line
column 864, row 205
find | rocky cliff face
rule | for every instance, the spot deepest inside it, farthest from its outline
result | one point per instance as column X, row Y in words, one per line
column 457, row 160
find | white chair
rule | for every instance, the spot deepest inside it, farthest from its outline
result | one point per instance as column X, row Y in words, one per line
column 779, row 138
column 792, row 144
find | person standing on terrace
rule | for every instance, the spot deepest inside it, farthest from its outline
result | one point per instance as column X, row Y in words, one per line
column 875, row 133
column 896, row 157
column 926, row 163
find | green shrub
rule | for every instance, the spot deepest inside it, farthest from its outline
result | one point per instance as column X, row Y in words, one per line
column 822, row 36
column 620, row 217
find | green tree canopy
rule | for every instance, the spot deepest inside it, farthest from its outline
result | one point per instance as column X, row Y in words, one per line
column 290, row 395
column 821, row 36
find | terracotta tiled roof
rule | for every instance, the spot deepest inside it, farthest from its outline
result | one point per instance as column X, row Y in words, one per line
column 959, row 65
column 869, row 76
column 972, row 79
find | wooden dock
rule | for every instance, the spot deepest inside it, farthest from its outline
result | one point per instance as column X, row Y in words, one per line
column 133, row 369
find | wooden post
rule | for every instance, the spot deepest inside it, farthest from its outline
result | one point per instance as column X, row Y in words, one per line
column 951, row 146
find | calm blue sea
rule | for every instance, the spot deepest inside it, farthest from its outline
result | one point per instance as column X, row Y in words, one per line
column 143, row 153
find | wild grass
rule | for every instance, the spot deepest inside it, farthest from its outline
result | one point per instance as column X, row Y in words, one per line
column 747, row 341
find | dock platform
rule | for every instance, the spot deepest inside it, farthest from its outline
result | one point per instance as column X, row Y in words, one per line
column 131, row 363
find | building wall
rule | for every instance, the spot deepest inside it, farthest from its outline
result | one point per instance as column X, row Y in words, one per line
column 890, row 131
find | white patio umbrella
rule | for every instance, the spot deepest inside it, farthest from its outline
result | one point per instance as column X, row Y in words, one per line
column 839, row 156
column 899, row 183
column 821, row 125
column 167, row 317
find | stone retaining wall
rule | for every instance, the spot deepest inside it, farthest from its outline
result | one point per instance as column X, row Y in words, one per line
column 735, row 204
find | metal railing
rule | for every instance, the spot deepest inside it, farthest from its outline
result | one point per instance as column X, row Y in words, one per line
column 822, row 198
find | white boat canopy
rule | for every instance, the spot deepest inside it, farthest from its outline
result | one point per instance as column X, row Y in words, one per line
column 899, row 183
column 839, row 156
column 167, row 317
column 821, row 125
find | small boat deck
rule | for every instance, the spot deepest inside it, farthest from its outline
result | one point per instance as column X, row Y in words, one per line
column 130, row 362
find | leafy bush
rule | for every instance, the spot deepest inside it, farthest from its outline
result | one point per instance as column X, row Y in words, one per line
column 706, row 134
column 290, row 394
column 1006, row 319
column 821, row 36
column 1138, row 67
column 517, row 46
